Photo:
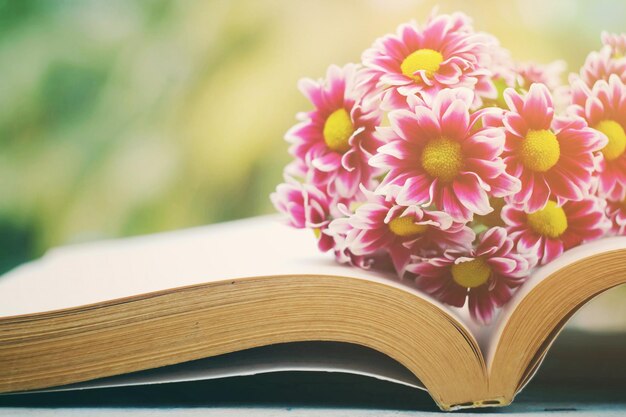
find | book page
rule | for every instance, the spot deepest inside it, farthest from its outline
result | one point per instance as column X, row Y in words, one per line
column 94, row 272
column 299, row 356
column 488, row 337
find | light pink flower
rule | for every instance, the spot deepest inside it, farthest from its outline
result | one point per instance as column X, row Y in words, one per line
column 604, row 109
column 440, row 155
column 616, row 210
column 550, row 74
column 504, row 75
column 335, row 140
column 486, row 276
column 615, row 41
column 444, row 53
column 381, row 224
column 551, row 156
column 306, row 207
column 600, row 65
column 379, row 260
column 553, row 229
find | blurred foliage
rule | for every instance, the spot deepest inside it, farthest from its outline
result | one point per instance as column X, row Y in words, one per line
column 127, row 117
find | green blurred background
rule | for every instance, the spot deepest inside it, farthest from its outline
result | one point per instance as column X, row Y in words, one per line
column 129, row 117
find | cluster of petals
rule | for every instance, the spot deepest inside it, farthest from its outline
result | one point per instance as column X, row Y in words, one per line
column 444, row 53
column 443, row 161
column 615, row 41
column 380, row 224
column 616, row 211
column 333, row 143
column 485, row 276
column 439, row 154
column 305, row 207
column 549, row 75
column 604, row 108
column 600, row 65
column 554, row 157
column 552, row 230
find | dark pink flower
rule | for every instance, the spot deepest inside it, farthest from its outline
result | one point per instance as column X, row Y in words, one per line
column 604, row 109
column 439, row 154
column 306, row 207
column 553, row 229
column 551, row 156
column 444, row 53
column 486, row 276
column 382, row 225
column 335, row 141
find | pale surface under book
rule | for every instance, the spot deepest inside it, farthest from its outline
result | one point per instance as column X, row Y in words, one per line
column 110, row 308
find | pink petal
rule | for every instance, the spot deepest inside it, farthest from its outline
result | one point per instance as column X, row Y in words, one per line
column 470, row 194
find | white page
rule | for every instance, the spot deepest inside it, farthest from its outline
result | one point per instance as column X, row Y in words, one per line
column 89, row 273
column 300, row 356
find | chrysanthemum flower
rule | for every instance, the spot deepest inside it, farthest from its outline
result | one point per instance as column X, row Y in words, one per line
column 604, row 109
column 616, row 210
column 440, row 155
column 343, row 255
column 551, row 156
column 503, row 75
column 553, row 229
column 444, row 53
column 381, row 224
column 600, row 65
column 615, row 41
column 336, row 139
column 486, row 276
column 531, row 73
column 306, row 207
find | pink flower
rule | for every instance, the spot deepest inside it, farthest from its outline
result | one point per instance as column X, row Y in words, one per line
column 381, row 224
column 335, row 140
column 550, row 74
column 440, row 155
column 550, row 155
column 615, row 41
column 604, row 109
column 486, row 276
column 379, row 260
column 616, row 210
column 444, row 53
column 553, row 229
column 306, row 207
column 504, row 75
column 600, row 65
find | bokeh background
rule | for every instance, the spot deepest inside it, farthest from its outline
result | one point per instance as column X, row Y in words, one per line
column 124, row 117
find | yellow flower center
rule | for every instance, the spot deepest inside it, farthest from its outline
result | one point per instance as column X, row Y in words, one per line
column 422, row 59
column 405, row 226
column 550, row 221
column 337, row 131
column 617, row 139
column 317, row 232
column 471, row 274
column 442, row 158
column 540, row 150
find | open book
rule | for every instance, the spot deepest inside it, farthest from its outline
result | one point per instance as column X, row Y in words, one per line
column 84, row 316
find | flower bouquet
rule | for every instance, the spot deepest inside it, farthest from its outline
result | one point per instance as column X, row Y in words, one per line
column 440, row 157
